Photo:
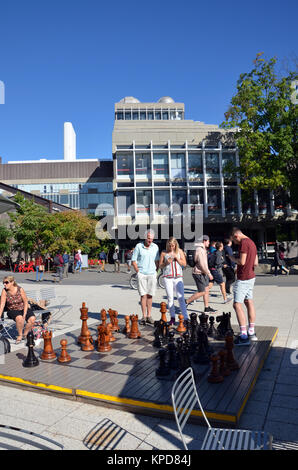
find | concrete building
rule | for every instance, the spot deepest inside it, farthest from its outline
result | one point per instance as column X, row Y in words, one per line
column 81, row 184
column 162, row 158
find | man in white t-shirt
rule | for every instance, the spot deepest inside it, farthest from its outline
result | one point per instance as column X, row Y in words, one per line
column 145, row 260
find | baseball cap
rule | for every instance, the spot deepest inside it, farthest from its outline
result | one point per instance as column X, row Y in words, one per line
column 204, row 238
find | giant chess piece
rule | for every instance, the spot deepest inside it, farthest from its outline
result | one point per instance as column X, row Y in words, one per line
column 173, row 357
column 211, row 332
column 103, row 343
column 64, row 356
column 232, row 364
column 134, row 330
column 204, row 321
column 87, row 345
column 157, row 335
column 164, row 330
column 214, row 376
column 110, row 331
column 201, row 355
column 85, row 333
column 126, row 328
column 223, row 368
column 181, row 328
column 183, row 358
column 163, row 368
column 103, row 317
column 224, row 326
column 163, row 311
column 114, row 320
column 48, row 353
column 31, row 360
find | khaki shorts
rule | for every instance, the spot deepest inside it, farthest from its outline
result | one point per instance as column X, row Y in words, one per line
column 146, row 284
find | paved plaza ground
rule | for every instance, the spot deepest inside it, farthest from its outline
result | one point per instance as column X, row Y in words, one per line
column 272, row 406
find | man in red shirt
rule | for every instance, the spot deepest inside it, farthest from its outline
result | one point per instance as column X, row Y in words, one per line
column 243, row 288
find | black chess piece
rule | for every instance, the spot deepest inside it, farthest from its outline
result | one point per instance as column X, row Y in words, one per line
column 31, row 360
column 163, row 368
column 211, row 332
column 173, row 358
column 201, row 355
column 157, row 335
column 204, row 321
column 183, row 356
column 224, row 326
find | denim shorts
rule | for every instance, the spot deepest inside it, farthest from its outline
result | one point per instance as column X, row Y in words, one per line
column 243, row 290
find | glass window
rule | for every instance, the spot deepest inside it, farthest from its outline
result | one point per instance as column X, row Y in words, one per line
column 196, row 197
column 160, row 165
column 195, row 166
column 178, row 166
column 165, row 115
column 127, row 115
column 158, row 115
column 143, row 165
column 212, row 163
column 125, row 202
column 135, row 115
column 143, row 115
column 179, row 197
column 150, row 115
column 125, row 165
column 228, row 165
column 264, row 201
column 214, row 201
column 162, row 197
column 119, row 115
column 144, row 199
column 231, row 201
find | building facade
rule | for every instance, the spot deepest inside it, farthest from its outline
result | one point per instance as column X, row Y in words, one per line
column 161, row 158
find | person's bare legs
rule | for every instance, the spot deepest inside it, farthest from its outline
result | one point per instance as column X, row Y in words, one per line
column 29, row 325
column 223, row 290
column 149, row 305
column 19, row 326
column 144, row 305
column 251, row 312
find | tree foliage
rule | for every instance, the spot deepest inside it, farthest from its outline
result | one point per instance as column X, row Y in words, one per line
column 265, row 119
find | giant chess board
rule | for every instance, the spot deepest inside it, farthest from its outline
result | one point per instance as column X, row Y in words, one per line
column 126, row 376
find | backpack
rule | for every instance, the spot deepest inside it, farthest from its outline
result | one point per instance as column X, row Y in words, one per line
column 56, row 260
column 77, row 257
column 211, row 260
column 4, row 345
column 190, row 257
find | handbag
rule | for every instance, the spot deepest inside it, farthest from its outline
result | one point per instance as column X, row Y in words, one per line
column 41, row 267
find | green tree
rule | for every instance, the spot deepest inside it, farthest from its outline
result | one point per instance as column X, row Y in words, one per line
column 5, row 240
column 266, row 121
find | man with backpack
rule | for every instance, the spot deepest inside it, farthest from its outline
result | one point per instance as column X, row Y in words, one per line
column 66, row 263
column 201, row 274
column 78, row 261
column 58, row 263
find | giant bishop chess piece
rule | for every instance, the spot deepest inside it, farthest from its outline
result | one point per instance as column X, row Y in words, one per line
column 64, row 356
column 48, row 353
column 31, row 360
column 134, row 330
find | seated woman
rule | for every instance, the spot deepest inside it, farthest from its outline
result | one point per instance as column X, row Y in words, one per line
column 14, row 299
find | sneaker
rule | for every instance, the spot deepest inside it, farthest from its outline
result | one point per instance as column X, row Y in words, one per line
column 172, row 321
column 189, row 304
column 252, row 337
column 242, row 340
column 150, row 320
column 143, row 321
column 228, row 299
column 209, row 310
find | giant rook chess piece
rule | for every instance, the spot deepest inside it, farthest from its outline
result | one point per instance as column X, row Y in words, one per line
column 134, row 330
column 31, row 360
column 48, row 353
column 64, row 356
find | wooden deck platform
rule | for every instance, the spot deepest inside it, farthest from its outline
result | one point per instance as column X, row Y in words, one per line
column 125, row 377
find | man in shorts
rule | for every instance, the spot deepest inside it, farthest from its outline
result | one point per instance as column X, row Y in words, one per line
column 243, row 288
column 202, row 274
column 145, row 260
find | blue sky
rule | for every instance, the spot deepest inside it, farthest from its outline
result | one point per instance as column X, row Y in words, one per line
column 72, row 60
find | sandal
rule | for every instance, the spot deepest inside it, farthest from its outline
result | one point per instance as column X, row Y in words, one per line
column 19, row 340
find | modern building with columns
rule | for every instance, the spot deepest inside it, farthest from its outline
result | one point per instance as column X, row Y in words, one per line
column 162, row 158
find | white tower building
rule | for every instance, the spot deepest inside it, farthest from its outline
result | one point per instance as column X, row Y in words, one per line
column 69, row 142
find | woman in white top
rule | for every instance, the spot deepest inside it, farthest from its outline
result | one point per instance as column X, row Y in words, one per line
column 172, row 262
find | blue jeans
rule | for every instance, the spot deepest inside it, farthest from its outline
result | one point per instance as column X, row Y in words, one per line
column 78, row 266
column 41, row 273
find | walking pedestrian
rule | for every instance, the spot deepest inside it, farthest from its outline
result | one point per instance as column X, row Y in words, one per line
column 66, row 264
column 128, row 256
column 116, row 261
column 202, row 275
column 229, row 266
column 78, row 261
column 172, row 262
column 103, row 259
column 216, row 262
column 145, row 261
column 58, row 263
column 243, row 288
column 39, row 267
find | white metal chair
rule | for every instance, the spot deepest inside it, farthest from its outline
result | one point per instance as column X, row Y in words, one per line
column 6, row 326
column 184, row 398
column 13, row 438
column 59, row 310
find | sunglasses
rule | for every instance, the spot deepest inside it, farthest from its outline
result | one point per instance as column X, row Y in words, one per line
column 6, row 282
